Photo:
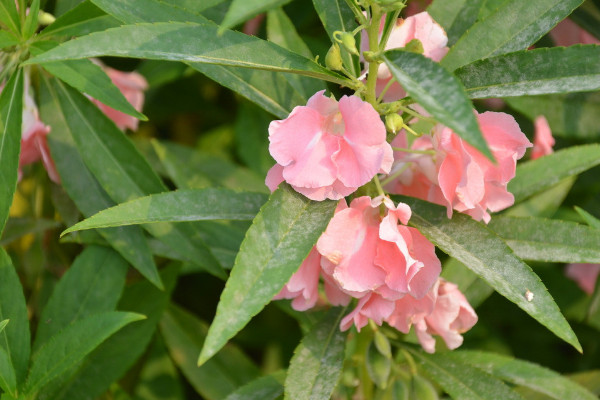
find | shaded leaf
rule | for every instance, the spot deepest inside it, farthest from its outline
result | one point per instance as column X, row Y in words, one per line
column 242, row 10
column 456, row 17
column 264, row 388
column 280, row 237
column 8, row 379
column 81, row 20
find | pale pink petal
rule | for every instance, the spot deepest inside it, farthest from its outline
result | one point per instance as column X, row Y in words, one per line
column 274, row 177
column 542, row 139
column 372, row 307
column 568, row 33
column 585, row 275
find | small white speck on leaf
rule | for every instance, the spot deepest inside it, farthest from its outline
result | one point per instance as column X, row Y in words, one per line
column 529, row 295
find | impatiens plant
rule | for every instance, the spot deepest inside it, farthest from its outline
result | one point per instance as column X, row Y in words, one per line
column 371, row 184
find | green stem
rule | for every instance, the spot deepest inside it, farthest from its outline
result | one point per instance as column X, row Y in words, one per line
column 385, row 89
column 396, row 174
column 378, row 186
column 415, row 114
column 373, row 33
column 387, row 33
column 409, row 129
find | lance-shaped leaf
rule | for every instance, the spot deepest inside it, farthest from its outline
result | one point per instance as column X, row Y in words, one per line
column 242, row 10
column 228, row 370
column 549, row 70
column 81, row 20
column 123, row 172
column 84, row 189
column 8, row 379
column 10, row 16
column 588, row 218
column 170, row 41
column 456, row 17
column 268, row 387
column 14, row 339
column 178, row 206
column 534, row 176
column 11, row 111
column 93, row 284
column 490, row 258
column 280, row 238
column 317, row 363
column 524, row 373
column 438, row 92
column 514, row 26
column 139, row 11
column 7, row 40
column 549, row 240
column 71, row 345
column 88, row 78
column 462, row 381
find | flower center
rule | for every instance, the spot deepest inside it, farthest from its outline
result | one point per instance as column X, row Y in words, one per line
column 334, row 124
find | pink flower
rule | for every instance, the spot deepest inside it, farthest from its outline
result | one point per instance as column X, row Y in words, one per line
column 585, row 275
column 542, row 140
column 466, row 180
column 444, row 311
column 421, row 27
column 34, row 146
column 568, row 33
column 366, row 254
column 326, row 149
column 371, row 306
column 132, row 85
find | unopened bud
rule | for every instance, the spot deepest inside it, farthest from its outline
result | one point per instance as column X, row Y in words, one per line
column 393, row 122
column 370, row 56
column 45, row 18
column 333, row 59
column 414, row 46
column 346, row 39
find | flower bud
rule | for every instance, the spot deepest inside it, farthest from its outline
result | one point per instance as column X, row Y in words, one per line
column 333, row 59
column 45, row 18
column 415, row 46
column 347, row 40
column 394, row 122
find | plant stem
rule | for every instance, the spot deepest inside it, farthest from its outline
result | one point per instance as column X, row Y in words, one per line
column 373, row 33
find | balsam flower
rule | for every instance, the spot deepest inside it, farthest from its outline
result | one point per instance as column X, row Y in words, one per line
column 585, row 275
column 542, row 139
column 568, row 33
column 326, row 149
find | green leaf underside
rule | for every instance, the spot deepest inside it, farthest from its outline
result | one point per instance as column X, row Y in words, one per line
column 524, row 373
column 11, row 110
column 491, row 259
column 549, row 70
column 92, row 284
column 534, row 176
column 81, row 185
column 66, row 349
column 317, row 362
column 124, row 173
column 14, row 339
column 242, row 10
column 573, row 115
column 228, row 370
column 461, row 380
column 280, row 237
column 438, row 92
column 515, row 26
column 549, row 240
column 168, row 41
column 113, row 358
column 178, row 206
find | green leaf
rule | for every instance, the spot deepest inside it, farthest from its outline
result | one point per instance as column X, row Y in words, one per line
column 11, row 110
column 124, row 173
column 252, row 142
column 16, row 228
column 31, row 20
column 548, row 240
column 534, row 176
column 491, row 259
column 378, row 366
column 81, row 20
column 113, row 358
column 524, row 373
column 515, row 26
column 471, row 285
column 456, row 17
column 64, row 6
column 272, row 91
column 81, row 185
column 14, row 339
column 280, row 237
column 89, row 78
column 66, row 349
column 549, row 70
column 335, row 16
column 3, row 324
column 317, row 362
column 10, row 16
column 92, row 285
column 178, row 206
column 460, row 380
column 440, row 93
column 588, row 218
column 219, row 377
column 8, row 380
column 242, row 10
column 170, row 42
column 7, row 40
column 573, row 115
column 264, row 388
column 544, row 204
